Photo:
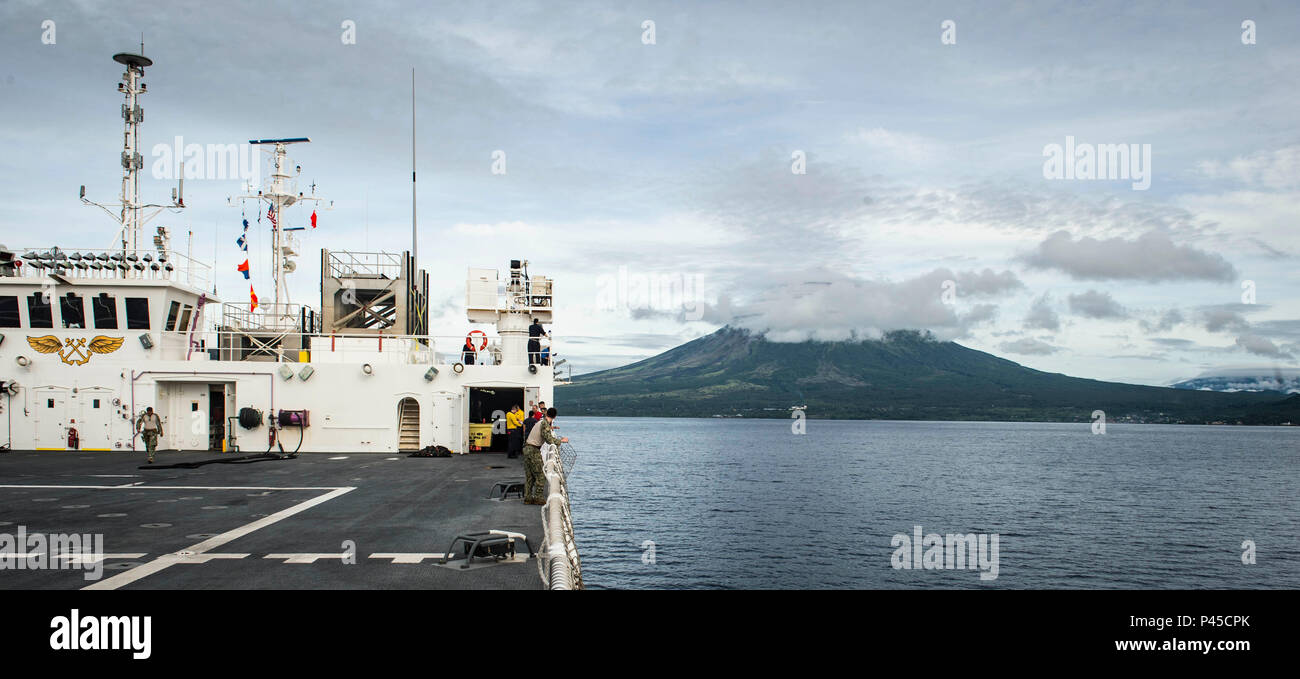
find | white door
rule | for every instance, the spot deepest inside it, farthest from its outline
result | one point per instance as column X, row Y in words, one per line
column 446, row 429
column 183, row 407
column 95, row 418
column 531, row 395
column 51, row 418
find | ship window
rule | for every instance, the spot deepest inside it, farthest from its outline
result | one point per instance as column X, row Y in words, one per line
column 171, row 316
column 49, row 403
column 72, row 311
column 38, row 311
column 9, row 312
column 105, row 312
column 185, row 319
column 94, row 403
column 137, row 313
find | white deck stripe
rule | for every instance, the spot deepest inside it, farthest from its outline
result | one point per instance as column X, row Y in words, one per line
column 306, row 557
column 166, row 560
column 92, row 558
column 137, row 487
column 408, row 557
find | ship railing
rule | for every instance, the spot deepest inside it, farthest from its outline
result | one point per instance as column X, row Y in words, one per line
column 559, row 563
column 345, row 264
column 113, row 264
column 451, row 350
column 286, row 322
column 439, row 350
column 270, row 317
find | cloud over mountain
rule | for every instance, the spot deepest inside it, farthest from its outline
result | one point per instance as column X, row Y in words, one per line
column 828, row 305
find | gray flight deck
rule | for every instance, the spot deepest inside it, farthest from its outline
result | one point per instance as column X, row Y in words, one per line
column 253, row 526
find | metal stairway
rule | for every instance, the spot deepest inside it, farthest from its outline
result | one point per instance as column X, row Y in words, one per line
column 409, row 432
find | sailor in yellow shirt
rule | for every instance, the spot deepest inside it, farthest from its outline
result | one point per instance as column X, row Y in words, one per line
column 515, row 431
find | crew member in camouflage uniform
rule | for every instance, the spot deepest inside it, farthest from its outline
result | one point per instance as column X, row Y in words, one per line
column 149, row 427
column 534, row 479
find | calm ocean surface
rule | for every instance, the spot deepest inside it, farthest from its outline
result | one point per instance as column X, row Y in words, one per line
column 747, row 504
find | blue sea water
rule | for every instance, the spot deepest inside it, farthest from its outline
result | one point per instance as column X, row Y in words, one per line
column 733, row 503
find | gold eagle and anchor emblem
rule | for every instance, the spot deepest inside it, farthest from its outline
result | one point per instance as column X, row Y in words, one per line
column 75, row 351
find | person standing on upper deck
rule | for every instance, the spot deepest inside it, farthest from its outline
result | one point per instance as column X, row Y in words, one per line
column 535, row 334
column 469, row 356
column 534, row 478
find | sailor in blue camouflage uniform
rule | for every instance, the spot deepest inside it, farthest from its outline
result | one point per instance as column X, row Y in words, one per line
column 534, row 479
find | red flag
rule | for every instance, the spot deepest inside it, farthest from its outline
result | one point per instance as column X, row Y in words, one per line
column 252, row 296
column 313, row 219
column 243, row 268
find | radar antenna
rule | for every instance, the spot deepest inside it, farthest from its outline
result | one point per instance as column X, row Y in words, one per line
column 281, row 192
column 130, row 216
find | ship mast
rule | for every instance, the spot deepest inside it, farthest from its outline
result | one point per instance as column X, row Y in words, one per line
column 132, row 161
column 279, row 193
column 130, row 217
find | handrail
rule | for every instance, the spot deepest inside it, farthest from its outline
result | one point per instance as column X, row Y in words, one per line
column 559, row 563
column 418, row 349
column 344, row 263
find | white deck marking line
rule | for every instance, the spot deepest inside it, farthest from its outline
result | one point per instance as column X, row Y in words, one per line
column 70, row 558
column 398, row 557
column 166, row 560
column 204, row 558
column 139, row 487
column 92, row 558
column 305, row 558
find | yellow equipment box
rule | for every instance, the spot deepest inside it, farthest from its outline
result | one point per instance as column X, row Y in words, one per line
column 480, row 435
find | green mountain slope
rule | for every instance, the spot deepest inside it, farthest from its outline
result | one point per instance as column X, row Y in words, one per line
column 905, row 375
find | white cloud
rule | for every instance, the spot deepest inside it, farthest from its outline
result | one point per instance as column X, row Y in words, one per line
column 1098, row 305
column 828, row 305
column 1270, row 168
column 1029, row 346
column 1261, row 346
column 1151, row 257
column 1041, row 316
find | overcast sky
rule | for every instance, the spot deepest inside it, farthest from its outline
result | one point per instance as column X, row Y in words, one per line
column 825, row 170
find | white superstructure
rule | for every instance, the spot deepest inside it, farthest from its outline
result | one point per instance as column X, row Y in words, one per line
column 89, row 338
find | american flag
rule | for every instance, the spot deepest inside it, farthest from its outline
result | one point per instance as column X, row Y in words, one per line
column 270, row 214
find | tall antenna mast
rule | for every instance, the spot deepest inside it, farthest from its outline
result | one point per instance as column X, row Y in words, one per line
column 132, row 161
column 415, row 244
column 130, row 216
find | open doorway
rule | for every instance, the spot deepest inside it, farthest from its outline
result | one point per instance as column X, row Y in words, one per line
column 408, row 425
column 487, row 405
column 216, row 416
